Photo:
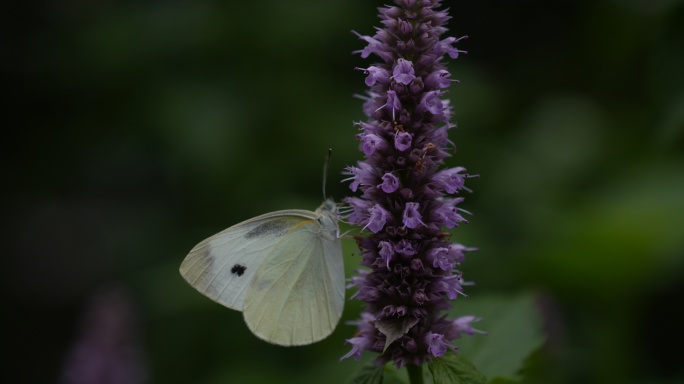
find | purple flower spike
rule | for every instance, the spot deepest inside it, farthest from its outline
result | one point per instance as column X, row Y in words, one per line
column 410, row 274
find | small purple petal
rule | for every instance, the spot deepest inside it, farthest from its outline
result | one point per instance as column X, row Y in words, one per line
column 386, row 252
column 361, row 176
column 358, row 344
column 360, row 209
column 440, row 258
column 451, row 285
column 412, row 218
column 403, row 72
column 457, row 252
column 375, row 46
column 445, row 46
column 393, row 104
column 390, row 182
column 371, row 143
column 376, row 75
column 417, row 265
column 419, row 297
column 450, row 179
column 402, row 141
column 378, row 218
column 463, row 325
column 436, row 344
column 416, row 86
column 405, row 27
column 448, row 214
column 431, row 103
column 405, row 248
column 438, row 79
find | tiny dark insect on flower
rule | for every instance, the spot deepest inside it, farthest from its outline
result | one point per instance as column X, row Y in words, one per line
column 238, row 269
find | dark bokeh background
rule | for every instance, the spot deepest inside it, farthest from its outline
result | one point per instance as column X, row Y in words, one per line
column 134, row 129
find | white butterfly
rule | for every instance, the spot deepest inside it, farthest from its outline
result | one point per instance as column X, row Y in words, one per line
column 284, row 270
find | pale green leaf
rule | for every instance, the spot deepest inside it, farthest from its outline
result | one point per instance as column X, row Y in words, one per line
column 455, row 369
column 370, row 373
column 514, row 332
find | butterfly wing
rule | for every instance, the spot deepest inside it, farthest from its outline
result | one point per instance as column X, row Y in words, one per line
column 297, row 295
column 223, row 266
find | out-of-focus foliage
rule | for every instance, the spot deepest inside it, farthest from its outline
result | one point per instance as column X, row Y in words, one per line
column 135, row 129
column 514, row 332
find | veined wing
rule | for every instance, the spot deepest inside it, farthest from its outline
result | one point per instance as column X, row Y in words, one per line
column 297, row 295
column 223, row 266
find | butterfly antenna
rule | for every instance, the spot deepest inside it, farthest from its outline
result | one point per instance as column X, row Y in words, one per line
column 326, row 165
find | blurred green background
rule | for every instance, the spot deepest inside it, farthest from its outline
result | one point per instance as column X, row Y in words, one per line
column 138, row 128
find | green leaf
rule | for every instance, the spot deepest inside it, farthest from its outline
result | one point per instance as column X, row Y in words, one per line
column 368, row 374
column 394, row 329
column 393, row 375
column 452, row 368
column 514, row 332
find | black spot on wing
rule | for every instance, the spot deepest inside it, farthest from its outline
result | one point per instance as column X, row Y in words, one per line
column 272, row 227
column 238, row 269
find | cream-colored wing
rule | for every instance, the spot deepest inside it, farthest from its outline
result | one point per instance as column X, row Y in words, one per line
column 223, row 266
column 297, row 295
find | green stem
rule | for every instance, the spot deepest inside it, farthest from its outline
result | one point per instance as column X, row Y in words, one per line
column 415, row 373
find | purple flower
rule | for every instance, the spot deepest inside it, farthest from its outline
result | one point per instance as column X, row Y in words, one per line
column 445, row 46
column 457, row 252
column 430, row 102
column 410, row 276
column 360, row 176
column 357, row 346
column 390, row 183
column 386, row 252
column 436, row 344
column 451, row 180
column 403, row 72
column 463, row 325
column 440, row 258
column 378, row 218
column 411, row 217
column 405, row 248
column 437, row 79
column 372, row 143
column 392, row 104
column 375, row 75
column 451, row 286
column 402, row 141
column 448, row 214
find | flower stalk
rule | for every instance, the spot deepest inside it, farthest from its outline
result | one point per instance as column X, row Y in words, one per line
column 407, row 199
